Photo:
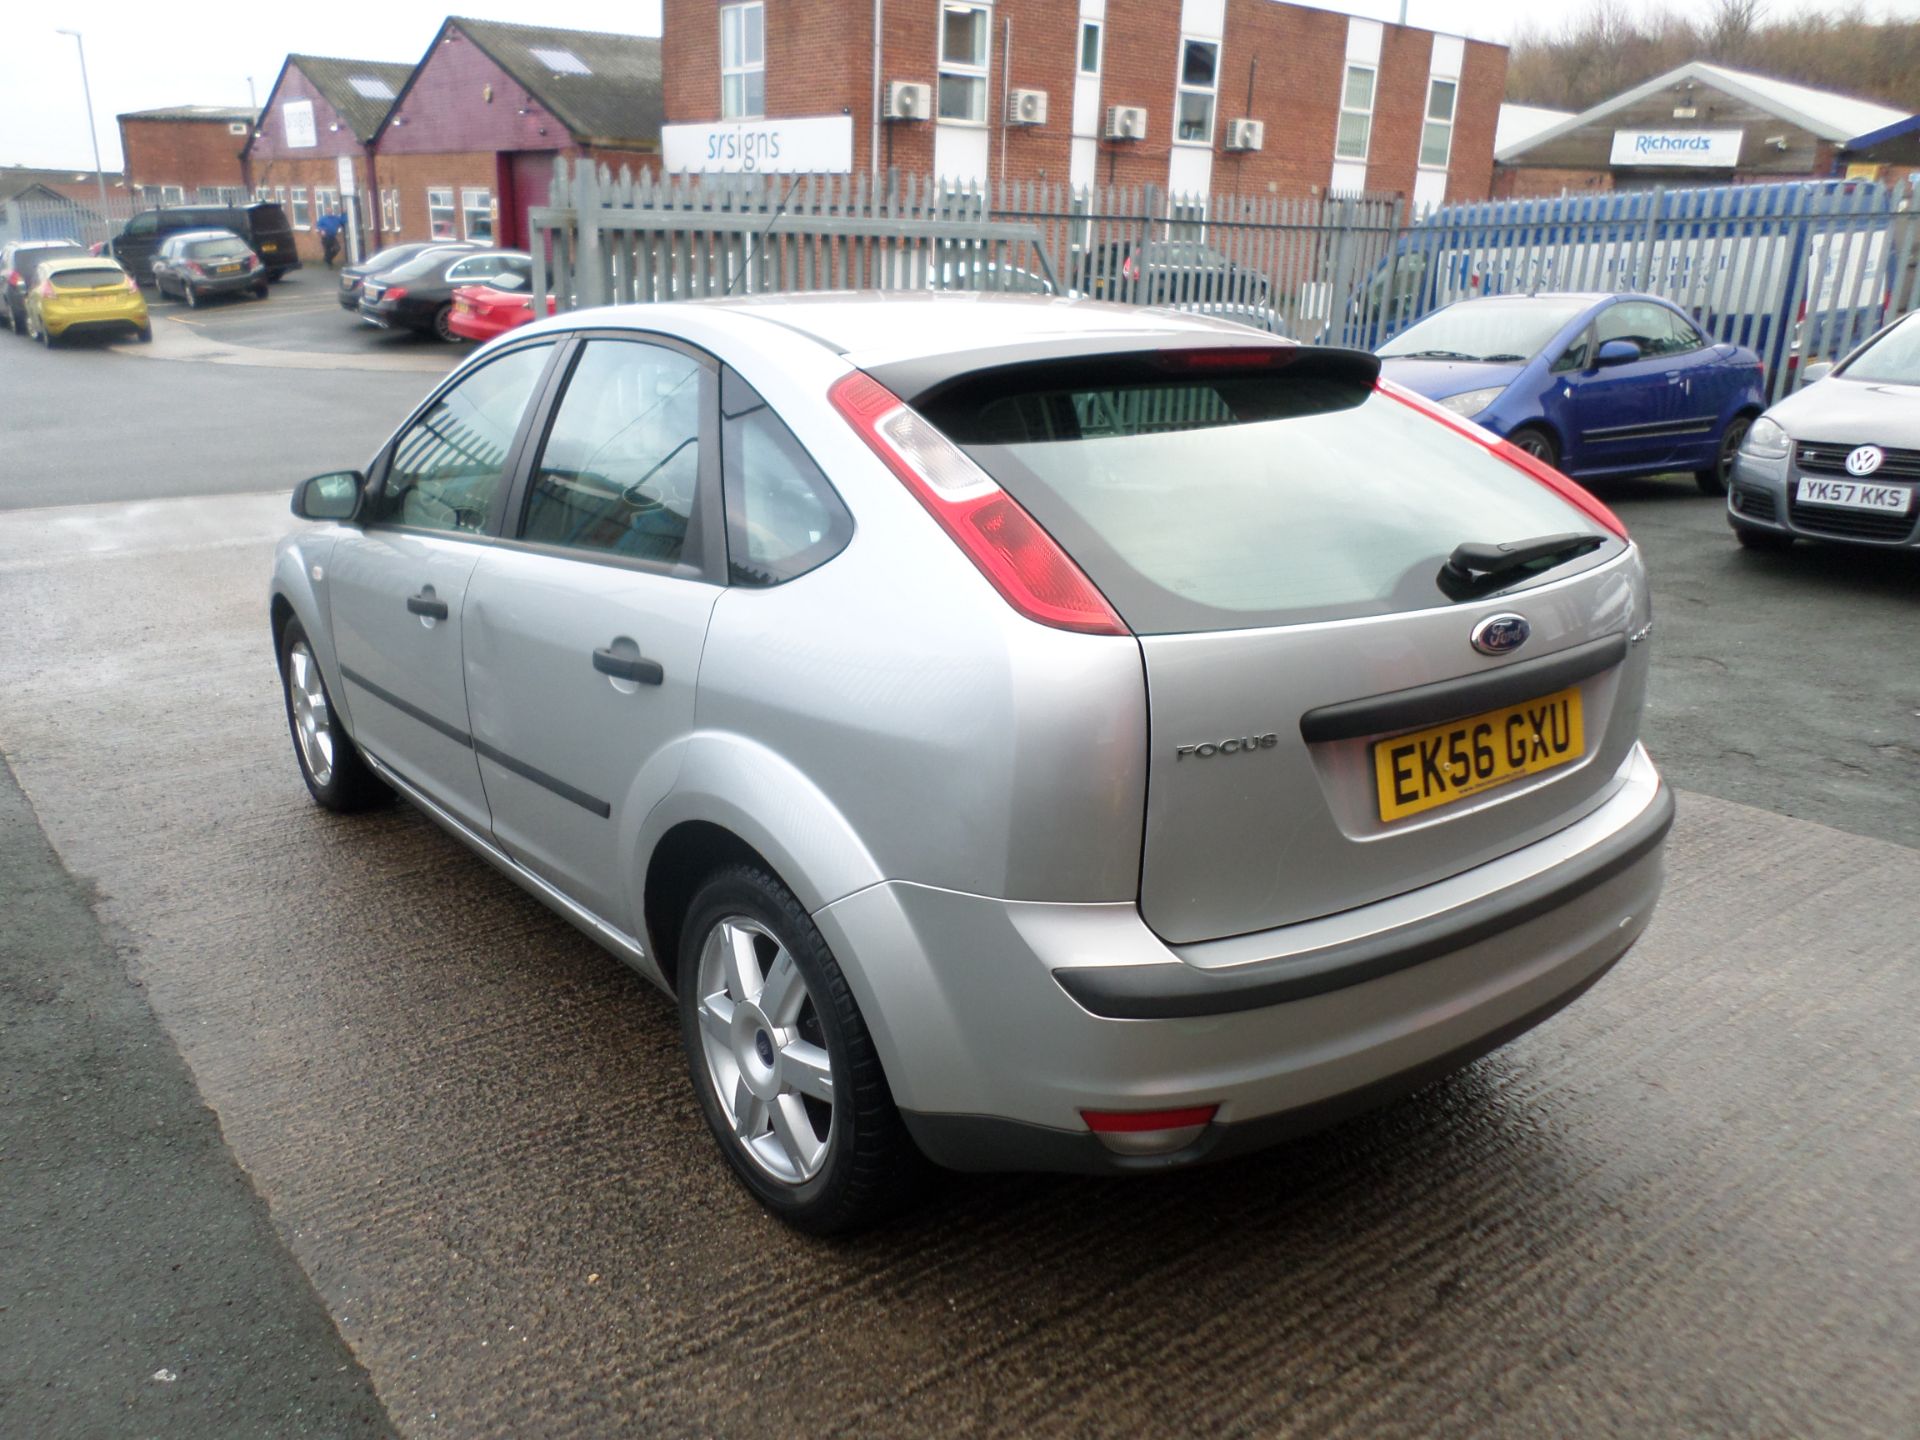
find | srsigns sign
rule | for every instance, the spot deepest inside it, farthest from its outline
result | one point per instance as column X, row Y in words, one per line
column 1709, row 149
column 819, row 146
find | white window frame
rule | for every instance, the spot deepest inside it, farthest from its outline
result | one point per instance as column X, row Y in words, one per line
column 300, row 217
column 450, row 205
column 1428, row 121
column 262, row 194
column 964, row 69
column 389, row 214
column 326, row 200
column 1098, row 30
column 1181, row 89
column 1188, row 221
column 172, row 195
column 746, row 19
column 280, row 196
column 468, row 210
column 1373, row 98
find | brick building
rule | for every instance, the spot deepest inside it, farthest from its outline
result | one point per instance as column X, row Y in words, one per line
column 1699, row 125
column 468, row 145
column 313, row 150
column 186, row 154
column 1084, row 91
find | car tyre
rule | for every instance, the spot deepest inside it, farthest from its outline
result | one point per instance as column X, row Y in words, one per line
column 42, row 334
column 1766, row 541
column 1716, row 477
column 768, row 1021
column 330, row 762
column 443, row 325
column 145, row 336
column 1536, row 442
column 259, row 292
column 187, row 293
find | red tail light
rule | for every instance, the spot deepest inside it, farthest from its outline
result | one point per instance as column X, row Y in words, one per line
column 1031, row 572
column 1576, row 495
column 13, row 277
column 252, row 262
column 196, row 267
column 1120, row 1122
column 46, row 289
column 394, row 292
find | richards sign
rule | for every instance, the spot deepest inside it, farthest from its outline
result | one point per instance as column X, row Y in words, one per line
column 821, row 146
column 1705, row 149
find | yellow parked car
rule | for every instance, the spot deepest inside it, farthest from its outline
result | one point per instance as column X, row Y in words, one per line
column 93, row 294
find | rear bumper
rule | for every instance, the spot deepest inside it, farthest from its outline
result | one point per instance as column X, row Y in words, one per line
column 987, row 1013
column 60, row 322
column 225, row 284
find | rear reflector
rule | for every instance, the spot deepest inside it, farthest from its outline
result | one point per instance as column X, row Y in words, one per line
column 1004, row 542
column 1149, row 1132
column 1574, row 494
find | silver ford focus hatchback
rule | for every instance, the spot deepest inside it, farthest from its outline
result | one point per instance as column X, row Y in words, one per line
column 1022, row 733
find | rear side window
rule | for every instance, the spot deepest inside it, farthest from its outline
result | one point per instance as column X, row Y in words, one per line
column 1221, row 500
column 783, row 518
column 90, row 278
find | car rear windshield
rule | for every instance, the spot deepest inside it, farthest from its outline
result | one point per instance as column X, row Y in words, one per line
column 89, row 278
column 231, row 249
column 1894, row 359
column 1227, row 498
column 1515, row 329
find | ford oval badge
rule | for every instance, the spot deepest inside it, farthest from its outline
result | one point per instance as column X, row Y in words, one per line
column 1501, row 634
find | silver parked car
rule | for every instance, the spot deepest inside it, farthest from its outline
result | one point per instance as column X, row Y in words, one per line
column 1840, row 458
column 1022, row 732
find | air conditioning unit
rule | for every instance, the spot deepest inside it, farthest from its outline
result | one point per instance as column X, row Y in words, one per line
column 1246, row 134
column 1027, row 107
column 909, row 101
column 1126, row 122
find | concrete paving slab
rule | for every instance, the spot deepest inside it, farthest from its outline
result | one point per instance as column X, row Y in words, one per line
column 1685, row 1205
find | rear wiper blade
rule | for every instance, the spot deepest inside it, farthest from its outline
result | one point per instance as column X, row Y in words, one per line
column 1475, row 558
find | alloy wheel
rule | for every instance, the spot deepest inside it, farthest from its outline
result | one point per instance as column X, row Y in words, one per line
column 765, row 1050
column 1533, row 445
column 312, row 715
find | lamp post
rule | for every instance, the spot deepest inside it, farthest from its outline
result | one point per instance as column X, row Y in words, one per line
column 86, row 92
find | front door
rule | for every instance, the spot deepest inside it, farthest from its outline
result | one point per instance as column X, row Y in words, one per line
column 397, row 589
column 1624, row 415
column 585, row 627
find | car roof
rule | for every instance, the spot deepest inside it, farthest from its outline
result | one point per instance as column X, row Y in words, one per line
column 77, row 262
column 44, row 244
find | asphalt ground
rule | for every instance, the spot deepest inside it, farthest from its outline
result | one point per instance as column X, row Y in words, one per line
column 1683, row 1206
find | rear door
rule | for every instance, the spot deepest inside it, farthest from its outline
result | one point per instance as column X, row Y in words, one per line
column 1324, row 732
column 397, row 587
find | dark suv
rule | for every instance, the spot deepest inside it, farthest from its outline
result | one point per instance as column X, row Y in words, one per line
column 263, row 226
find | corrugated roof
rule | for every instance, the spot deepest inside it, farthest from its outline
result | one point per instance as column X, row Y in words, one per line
column 334, row 78
column 1523, row 122
column 225, row 113
column 1836, row 118
column 617, row 100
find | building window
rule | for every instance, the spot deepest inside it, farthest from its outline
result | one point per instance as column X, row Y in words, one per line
column 280, row 196
column 1436, row 134
column 325, row 202
column 476, row 212
column 1199, row 78
column 389, row 213
column 262, row 194
column 1089, row 47
column 301, row 219
column 964, row 34
column 440, row 218
column 172, row 195
column 1356, row 114
column 743, row 61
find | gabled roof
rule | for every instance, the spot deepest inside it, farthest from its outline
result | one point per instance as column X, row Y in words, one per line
column 1523, row 122
column 225, row 114
column 603, row 88
column 361, row 91
column 68, row 184
column 1836, row 118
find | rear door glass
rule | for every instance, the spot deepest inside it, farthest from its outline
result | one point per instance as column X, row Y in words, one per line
column 1218, row 501
column 88, row 279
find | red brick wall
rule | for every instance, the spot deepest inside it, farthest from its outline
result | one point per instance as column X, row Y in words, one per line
column 1399, row 107
column 315, row 173
column 1519, row 182
column 187, row 153
column 1476, row 112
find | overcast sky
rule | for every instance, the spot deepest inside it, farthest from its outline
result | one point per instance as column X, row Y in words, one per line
column 142, row 56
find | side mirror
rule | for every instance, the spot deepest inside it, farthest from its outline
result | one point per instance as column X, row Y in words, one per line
column 1616, row 352
column 333, row 496
column 1816, row 372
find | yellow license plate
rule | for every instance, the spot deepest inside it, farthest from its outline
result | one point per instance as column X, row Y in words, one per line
column 1450, row 762
column 229, row 270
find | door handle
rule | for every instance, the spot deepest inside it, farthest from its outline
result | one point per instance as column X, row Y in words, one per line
column 426, row 605
column 628, row 667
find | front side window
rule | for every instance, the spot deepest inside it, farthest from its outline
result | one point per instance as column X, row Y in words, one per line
column 1356, row 114
column 301, row 218
column 965, row 31
column 440, row 217
column 620, row 471
column 1199, row 79
column 476, row 214
column 1089, row 47
column 143, row 224
column 743, row 61
column 449, row 464
column 1645, row 325
column 1436, row 132
column 783, row 517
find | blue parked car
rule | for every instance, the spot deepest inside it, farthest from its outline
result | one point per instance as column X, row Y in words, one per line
column 1598, row 385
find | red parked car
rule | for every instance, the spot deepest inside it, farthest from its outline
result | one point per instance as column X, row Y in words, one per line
column 481, row 312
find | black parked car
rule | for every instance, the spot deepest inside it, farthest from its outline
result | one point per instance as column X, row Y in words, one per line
column 263, row 226
column 1169, row 272
column 16, row 273
column 392, row 258
column 419, row 294
column 199, row 264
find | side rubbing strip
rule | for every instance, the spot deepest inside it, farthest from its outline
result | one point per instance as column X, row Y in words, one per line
column 1450, row 699
column 544, row 780
column 453, row 733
